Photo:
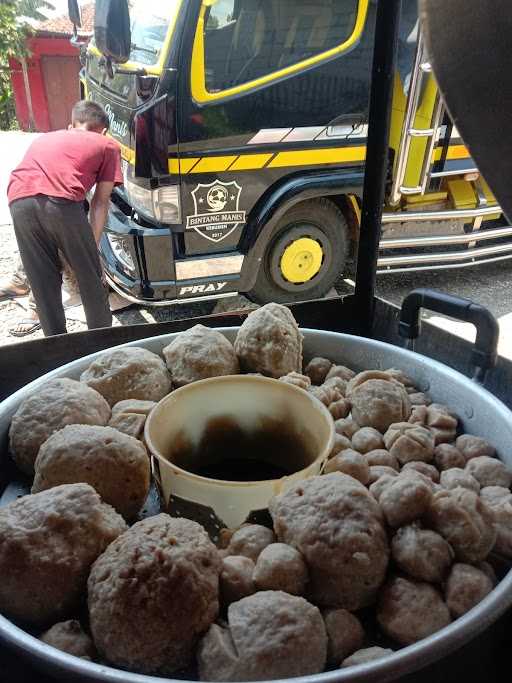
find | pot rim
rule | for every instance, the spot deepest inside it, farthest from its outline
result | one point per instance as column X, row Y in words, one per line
column 404, row 661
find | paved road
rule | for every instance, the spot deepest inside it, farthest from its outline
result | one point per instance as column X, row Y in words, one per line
column 490, row 285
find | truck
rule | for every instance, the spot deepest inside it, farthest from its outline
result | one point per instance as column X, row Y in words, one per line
column 243, row 128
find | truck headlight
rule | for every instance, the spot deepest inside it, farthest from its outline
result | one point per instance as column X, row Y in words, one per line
column 121, row 251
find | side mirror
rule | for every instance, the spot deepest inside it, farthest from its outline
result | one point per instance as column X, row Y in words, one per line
column 74, row 13
column 112, row 32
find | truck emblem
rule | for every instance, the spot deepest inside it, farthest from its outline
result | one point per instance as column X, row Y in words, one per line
column 216, row 210
column 212, row 288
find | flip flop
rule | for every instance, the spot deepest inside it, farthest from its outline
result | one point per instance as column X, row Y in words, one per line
column 7, row 293
column 31, row 326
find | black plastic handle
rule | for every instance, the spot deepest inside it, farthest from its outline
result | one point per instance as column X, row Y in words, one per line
column 485, row 351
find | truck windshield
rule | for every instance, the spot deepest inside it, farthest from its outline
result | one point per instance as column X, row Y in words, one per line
column 150, row 23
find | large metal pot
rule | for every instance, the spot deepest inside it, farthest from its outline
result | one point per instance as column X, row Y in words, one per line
column 480, row 413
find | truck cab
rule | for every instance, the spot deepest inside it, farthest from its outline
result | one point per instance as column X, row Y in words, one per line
column 242, row 126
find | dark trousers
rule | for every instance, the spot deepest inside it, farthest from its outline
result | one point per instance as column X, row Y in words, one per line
column 43, row 226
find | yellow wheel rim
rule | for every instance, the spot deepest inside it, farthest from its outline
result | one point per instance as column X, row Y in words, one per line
column 301, row 260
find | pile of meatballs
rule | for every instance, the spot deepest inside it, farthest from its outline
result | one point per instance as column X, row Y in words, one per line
column 400, row 535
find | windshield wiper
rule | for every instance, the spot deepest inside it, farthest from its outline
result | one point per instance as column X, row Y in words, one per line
column 147, row 50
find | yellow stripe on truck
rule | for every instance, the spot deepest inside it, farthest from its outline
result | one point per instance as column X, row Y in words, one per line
column 308, row 157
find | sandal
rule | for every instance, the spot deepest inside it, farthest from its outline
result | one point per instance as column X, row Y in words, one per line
column 30, row 325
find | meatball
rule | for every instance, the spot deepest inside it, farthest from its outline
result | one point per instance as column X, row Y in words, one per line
column 409, row 442
column 338, row 527
column 269, row 341
column 366, row 375
column 367, row 439
column 466, row 587
column 236, row 580
column 418, row 398
column 130, row 416
column 427, row 470
column 345, row 634
column 250, row 540
column 400, row 376
column 130, row 372
column 447, row 456
column 271, row 635
column 337, row 383
column 404, row 500
column 367, row 654
column 339, row 409
column 457, row 478
column 346, row 427
column 378, row 471
column 341, row 443
column 281, row 568
column 298, row 380
column 411, row 610
column 317, row 370
column 499, row 500
column 379, row 403
column 489, row 471
column 57, row 403
column 378, row 486
column 69, row 637
column 328, row 394
column 133, row 406
column 341, row 371
column 115, row 464
column 421, row 553
column 48, row 542
column 382, row 457
column 474, row 447
column 465, row 521
column 152, row 594
column 349, row 462
column 441, row 422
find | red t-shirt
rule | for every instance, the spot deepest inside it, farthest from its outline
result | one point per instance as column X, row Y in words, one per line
column 66, row 164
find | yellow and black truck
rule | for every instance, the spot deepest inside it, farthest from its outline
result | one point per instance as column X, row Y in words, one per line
column 243, row 124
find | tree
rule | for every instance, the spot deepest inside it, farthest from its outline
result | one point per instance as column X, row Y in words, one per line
column 13, row 35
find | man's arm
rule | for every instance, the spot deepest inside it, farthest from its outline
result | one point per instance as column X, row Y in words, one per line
column 99, row 208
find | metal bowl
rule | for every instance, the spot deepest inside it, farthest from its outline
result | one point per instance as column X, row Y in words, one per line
column 481, row 414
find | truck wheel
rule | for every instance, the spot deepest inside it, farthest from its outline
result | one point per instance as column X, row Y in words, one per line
column 305, row 257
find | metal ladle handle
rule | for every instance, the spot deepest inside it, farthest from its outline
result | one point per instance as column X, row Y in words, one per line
column 485, row 349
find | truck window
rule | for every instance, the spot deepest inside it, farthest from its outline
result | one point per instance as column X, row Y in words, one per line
column 246, row 40
column 150, row 24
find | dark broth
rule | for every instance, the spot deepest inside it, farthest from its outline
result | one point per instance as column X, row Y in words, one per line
column 228, row 452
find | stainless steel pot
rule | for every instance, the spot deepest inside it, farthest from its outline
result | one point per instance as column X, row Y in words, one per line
column 480, row 413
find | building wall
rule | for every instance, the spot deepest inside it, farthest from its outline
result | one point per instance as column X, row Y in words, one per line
column 39, row 46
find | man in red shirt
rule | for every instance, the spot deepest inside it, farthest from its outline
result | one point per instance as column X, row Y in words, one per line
column 46, row 193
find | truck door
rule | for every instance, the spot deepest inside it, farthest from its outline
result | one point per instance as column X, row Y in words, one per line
column 267, row 88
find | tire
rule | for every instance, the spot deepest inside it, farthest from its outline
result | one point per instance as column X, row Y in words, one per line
column 319, row 220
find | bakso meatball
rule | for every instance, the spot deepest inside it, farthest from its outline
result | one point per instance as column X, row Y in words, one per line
column 48, row 542
column 382, row 457
column 341, row 371
column 114, row 464
column 474, row 447
column 130, row 372
column 349, row 462
column 405, row 500
column 153, row 593
column 457, row 478
column 200, row 353
column 409, row 610
column 281, row 568
column 441, row 422
column 379, row 403
column 378, row 486
column 271, row 635
column 338, row 527
column 270, row 342
column 70, row 637
column 367, row 654
column 346, row 427
column 130, row 416
column 447, row 456
column 317, row 370
column 337, row 383
column 418, row 398
column 341, row 443
column 489, row 471
column 378, row 471
column 465, row 521
column 236, row 579
column 327, row 394
column 57, row 403
column 339, row 409
column 499, row 500
column 421, row 553
column 250, row 540
column 345, row 634
column 400, row 376
column 409, row 442
column 298, row 380
column 427, row 470
column 133, row 406
column 366, row 375
column 367, row 439
column 466, row 587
